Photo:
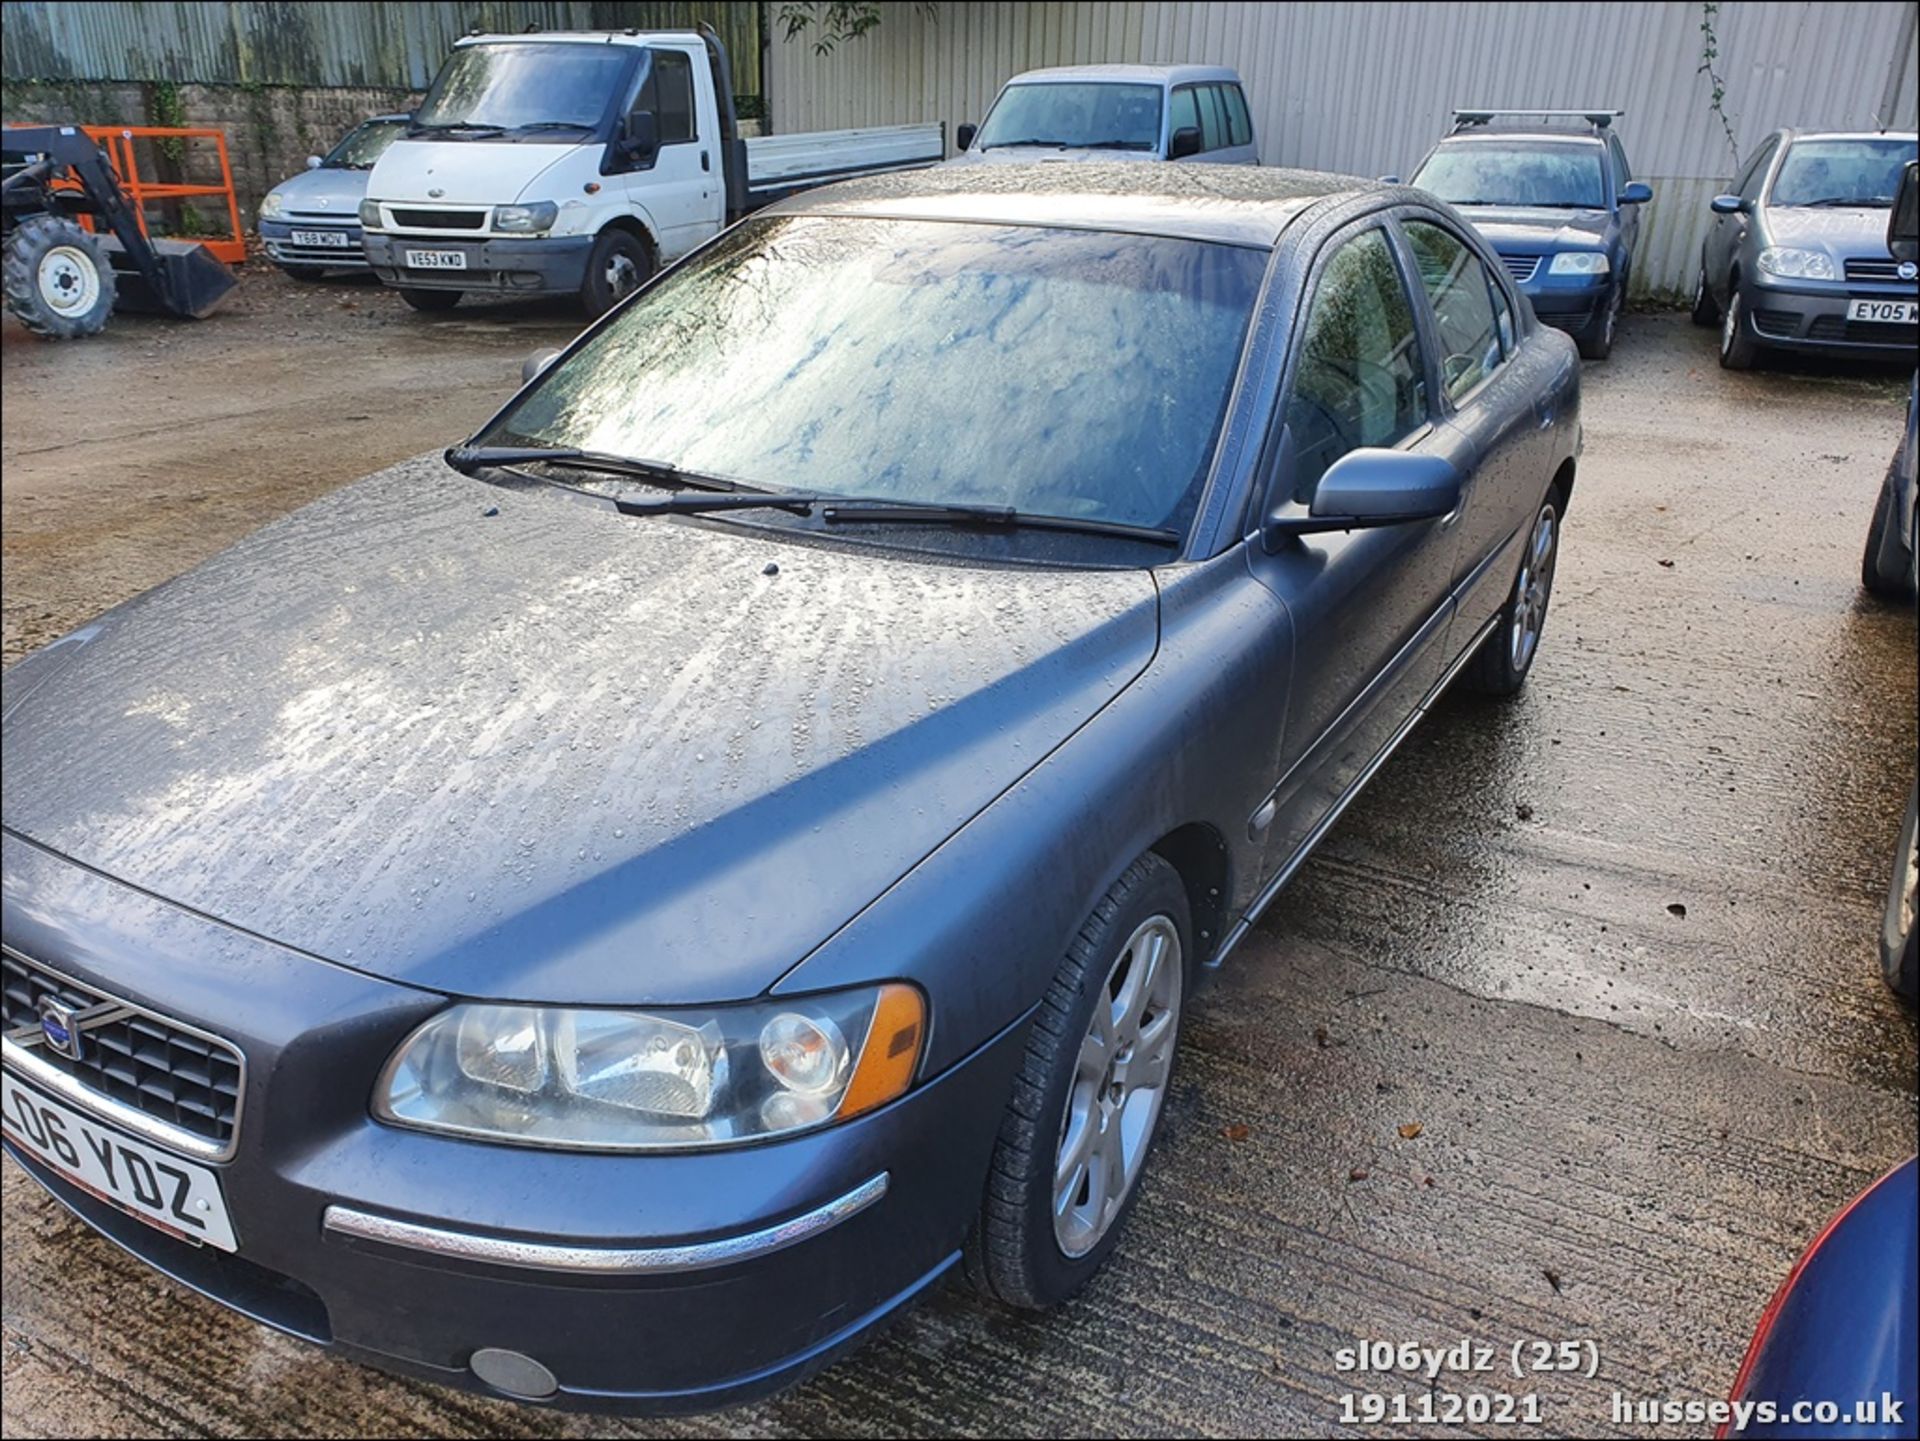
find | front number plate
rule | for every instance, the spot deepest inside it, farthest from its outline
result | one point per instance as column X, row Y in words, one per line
column 1884, row 312
column 336, row 239
column 437, row 259
column 146, row 1182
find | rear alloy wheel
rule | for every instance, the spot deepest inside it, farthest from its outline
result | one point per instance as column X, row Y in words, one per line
column 1899, row 937
column 57, row 278
column 1738, row 349
column 1596, row 341
column 1505, row 658
column 1086, row 1106
column 430, row 300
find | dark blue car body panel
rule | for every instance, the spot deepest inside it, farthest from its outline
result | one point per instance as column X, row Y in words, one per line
column 434, row 737
column 1845, row 1325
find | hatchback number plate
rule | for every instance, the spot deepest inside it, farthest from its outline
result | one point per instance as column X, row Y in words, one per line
column 1884, row 312
column 331, row 239
column 146, row 1182
column 437, row 259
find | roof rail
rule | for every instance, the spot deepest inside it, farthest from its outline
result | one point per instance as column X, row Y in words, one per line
column 1598, row 119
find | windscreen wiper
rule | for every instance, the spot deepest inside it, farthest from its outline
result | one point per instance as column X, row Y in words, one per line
column 552, row 125
column 1009, row 144
column 468, row 458
column 467, row 128
column 859, row 510
column 1863, row 202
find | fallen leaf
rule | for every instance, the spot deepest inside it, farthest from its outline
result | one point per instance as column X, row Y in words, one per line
column 1523, row 812
column 1236, row 1132
column 1668, row 564
column 1410, row 1130
column 1320, row 1037
column 1676, row 909
column 1553, row 1280
column 1356, row 1174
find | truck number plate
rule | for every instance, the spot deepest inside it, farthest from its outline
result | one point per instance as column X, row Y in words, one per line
column 437, row 259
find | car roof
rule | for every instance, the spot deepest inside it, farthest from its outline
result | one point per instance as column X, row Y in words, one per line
column 1234, row 204
column 1556, row 134
column 1120, row 74
column 1910, row 136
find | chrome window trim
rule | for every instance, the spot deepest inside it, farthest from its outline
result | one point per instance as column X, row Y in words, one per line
column 76, row 1092
column 602, row 1260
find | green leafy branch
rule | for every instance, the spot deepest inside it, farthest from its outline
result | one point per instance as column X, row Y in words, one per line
column 1710, row 52
column 835, row 20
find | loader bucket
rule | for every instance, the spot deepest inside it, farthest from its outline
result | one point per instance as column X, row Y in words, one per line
column 191, row 281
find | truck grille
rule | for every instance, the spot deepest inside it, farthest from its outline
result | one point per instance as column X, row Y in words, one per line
column 1521, row 267
column 139, row 1059
column 440, row 219
column 1861, row 269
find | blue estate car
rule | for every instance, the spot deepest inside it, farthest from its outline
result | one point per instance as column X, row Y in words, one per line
column 735, row 840
column 310, row 222
column 1552, row 192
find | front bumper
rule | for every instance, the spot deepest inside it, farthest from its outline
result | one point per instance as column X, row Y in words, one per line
column 533, row 265
column 283, row 250
column 644, row 1283
column 1812, row 317
column 1567, row 302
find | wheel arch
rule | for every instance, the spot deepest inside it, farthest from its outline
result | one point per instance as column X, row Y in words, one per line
column 1198, row 853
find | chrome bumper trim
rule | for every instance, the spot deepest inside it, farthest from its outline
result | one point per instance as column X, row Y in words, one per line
column 602, row 1260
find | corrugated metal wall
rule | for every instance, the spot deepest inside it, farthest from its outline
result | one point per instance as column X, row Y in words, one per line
column 1366, row 88
column 296, row 43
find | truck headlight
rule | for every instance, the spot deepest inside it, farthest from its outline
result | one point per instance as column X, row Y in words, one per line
column 534, row 219
column 671, row 1079
column 1792, row 264
column 274, row 204
column 1580, row 262
column 370, row 214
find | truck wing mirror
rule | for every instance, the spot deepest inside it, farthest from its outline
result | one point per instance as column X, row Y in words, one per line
column 640, row 136
column 963, row 137
column 1184, row 142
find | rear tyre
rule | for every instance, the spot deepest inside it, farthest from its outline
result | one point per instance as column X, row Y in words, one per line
column 1705, row 312
column 57, row 279
column 430, row 300
column 1595, row 342
column 1881, row 580
column 305, row 274
column 1087, row 1103
column 1501, row 666
column 619, row 264
column 1738, row 349
column 1899, row 936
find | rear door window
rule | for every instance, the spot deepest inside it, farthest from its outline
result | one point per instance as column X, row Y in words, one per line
column 1460, row 290
column 1213, row 118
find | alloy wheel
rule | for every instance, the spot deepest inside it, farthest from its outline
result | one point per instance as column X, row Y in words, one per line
column 1532, row 591
column 1118, row 1085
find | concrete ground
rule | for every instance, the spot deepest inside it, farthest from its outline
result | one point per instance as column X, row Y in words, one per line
column 1571, row 1030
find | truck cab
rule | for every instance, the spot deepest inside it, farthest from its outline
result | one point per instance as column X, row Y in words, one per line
column 581, row 162
column 1115, row 112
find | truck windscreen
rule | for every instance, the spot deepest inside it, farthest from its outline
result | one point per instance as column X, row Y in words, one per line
column 512, row 85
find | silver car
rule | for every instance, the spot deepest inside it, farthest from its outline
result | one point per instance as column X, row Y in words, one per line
column 311, row 222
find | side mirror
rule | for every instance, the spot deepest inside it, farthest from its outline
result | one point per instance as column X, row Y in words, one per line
column 1638, row 192
column 1727, row 205
column 535, row 363
column 640, row 136
column 1367, row 489
column 1903, row 226
column 963, row 137
column 313, row 162
column 1184, row 142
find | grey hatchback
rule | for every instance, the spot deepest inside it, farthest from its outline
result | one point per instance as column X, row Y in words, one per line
column 1796, row 258
column 610, row 916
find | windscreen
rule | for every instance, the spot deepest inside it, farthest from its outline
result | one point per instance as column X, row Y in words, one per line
column 1076, row 115
column 510, row 85
column 364, row 144
column 1481, row 172
column 1841, row 172
column 1064, row 372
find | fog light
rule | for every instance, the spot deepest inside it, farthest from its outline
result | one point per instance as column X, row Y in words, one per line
column 513, row 1373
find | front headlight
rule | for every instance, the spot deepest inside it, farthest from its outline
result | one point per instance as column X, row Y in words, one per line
column 1580, row 262
column 274, row 204
column 1794, row 264
column 370, row 214
column 531, row 219
column 600, row 1080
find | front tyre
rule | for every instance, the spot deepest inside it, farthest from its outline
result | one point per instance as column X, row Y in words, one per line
column 57, row 279
column 619, row 264
column 1595, row 342
column 1738, row 349
column 1705, row 312
column 430, row 300
column 1086, row 1105
column 1505, row 658
column 1899, row 937
column 1885, row 581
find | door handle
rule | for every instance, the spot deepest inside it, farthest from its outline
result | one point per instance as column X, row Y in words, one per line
column 705, row 164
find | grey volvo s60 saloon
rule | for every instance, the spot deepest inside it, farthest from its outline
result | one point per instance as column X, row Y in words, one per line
column 609, row 914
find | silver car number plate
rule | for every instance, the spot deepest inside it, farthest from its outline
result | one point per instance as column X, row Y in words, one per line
column 146, row 1182
column 1884, row 312
column 437, row 259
